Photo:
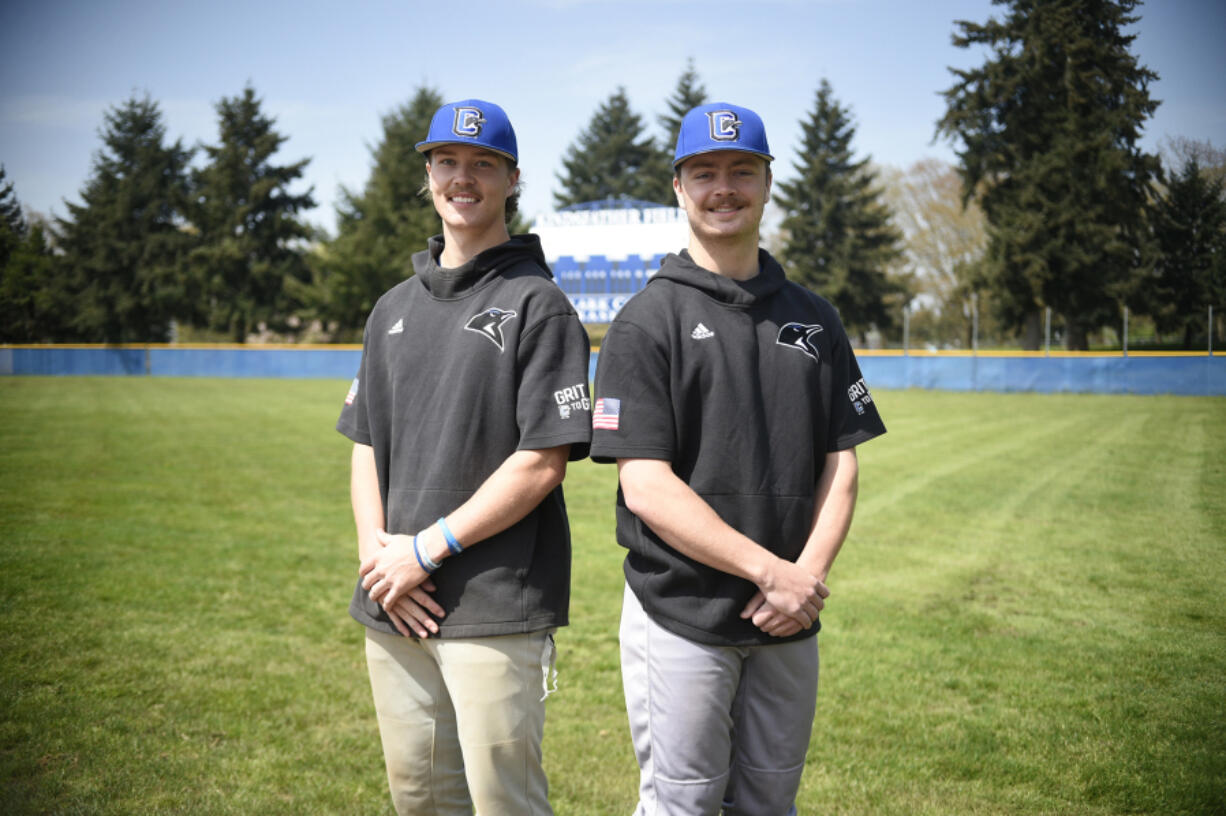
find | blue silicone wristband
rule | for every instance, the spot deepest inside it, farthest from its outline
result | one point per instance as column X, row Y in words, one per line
column 424, row 562
column 452, row 544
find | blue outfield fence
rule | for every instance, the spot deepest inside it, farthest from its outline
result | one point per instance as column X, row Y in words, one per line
column 303, row 362
column 1136, row 373
column 1188, row 375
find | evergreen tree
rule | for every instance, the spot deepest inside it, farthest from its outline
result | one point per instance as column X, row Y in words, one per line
column 1190, row 275
column 688, row 94
column 839, row 238
column 12, row 222
column 610, row 158
column 26, row 280
column 248, row 222
column 1049, row 128
column 381, row 228
column 124, row 246
column 33, row 303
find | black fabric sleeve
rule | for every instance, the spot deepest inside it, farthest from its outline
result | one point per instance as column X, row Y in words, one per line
column 853, row 413
column 633, row 372
column 553, row 404
column 354, row 421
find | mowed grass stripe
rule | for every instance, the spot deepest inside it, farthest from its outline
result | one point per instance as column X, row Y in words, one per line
column 916, row 459
column 1005, row 617
column 1027, row 617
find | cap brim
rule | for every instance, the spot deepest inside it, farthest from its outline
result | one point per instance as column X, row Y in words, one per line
column 425, row 147
column 688, row 156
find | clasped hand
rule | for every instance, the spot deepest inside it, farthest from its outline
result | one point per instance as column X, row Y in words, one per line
column 396, row 581
column 787, row 602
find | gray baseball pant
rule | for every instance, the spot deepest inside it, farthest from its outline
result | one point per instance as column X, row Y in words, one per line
column 716, row 728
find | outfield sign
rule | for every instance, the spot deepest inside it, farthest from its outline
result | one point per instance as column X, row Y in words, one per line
column 598, row 308
column 614, row 233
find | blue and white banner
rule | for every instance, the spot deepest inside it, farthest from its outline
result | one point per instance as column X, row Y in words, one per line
column 598, row 308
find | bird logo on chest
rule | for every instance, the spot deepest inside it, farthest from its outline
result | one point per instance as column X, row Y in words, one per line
column 488, row 324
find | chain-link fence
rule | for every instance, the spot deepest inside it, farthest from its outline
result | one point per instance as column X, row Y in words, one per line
column 975, row 328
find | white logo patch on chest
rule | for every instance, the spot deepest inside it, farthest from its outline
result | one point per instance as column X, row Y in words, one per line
column 802, row 337
column 488, row 324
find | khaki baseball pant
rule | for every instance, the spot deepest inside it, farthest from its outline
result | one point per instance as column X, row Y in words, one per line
column 461, row 721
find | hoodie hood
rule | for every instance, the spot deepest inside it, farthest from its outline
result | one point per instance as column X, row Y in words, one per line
column 481, row 269
column 681, row 268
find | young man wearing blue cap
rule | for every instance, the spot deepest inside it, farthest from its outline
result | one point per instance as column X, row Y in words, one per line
column 732, row 403
column 471, row 396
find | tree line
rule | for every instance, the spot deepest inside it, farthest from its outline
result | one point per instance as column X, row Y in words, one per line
column 1053, row 208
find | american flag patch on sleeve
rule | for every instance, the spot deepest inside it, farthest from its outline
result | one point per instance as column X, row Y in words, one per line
column 353, row 392
column 607, row 414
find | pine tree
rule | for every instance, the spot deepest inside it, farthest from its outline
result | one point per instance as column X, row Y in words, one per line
column 24, row 270
column 1190, row 275
column 248, row 222
column 124, row 246
column 12, row 233
column 1048, row 129
column 381, row 228
column 839, row 238
column 33, row 302
column 12, row 222
column 688, row 94
column 610, row 158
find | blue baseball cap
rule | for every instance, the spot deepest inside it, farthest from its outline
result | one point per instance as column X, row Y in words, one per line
column 472, row 122
column 720, row 126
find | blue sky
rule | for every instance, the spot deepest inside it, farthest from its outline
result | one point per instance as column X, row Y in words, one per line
column 328, row 72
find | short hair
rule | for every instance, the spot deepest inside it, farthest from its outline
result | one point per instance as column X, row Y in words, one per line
column 512, row 205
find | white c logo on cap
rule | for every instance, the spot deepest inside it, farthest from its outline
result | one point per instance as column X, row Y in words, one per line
column 725, row 127
column 468, row 122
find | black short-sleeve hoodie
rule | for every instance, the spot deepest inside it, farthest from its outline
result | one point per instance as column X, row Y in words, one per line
column 460, row 368
column 744, row 387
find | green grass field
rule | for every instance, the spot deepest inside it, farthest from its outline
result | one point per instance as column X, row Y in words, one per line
column 1028, row 616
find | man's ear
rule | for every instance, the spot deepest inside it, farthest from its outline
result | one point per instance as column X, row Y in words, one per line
column 677, row 191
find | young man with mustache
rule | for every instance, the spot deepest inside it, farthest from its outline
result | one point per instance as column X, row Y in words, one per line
column 732, row 403
column 471, row 397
